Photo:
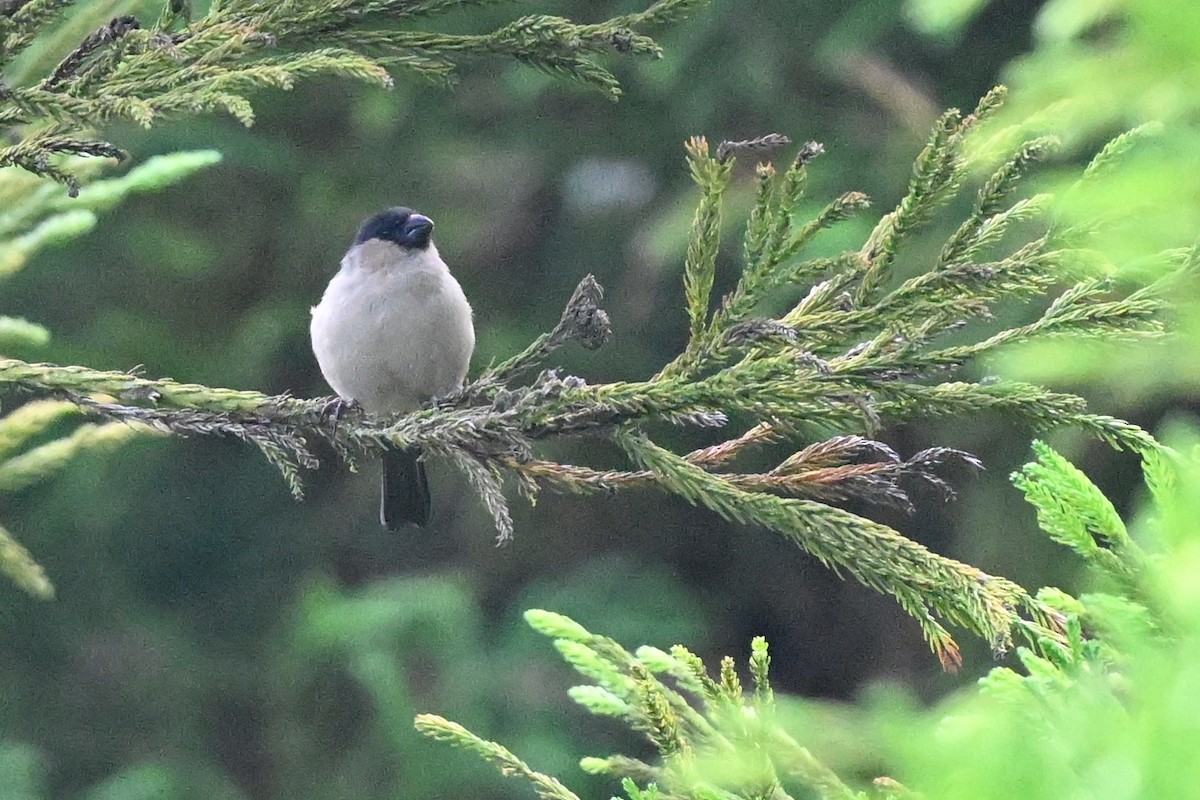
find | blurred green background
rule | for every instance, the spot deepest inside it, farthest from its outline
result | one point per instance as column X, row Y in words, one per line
column 213, row 638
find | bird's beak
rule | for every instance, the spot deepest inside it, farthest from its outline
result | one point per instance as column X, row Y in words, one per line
column 417, row 230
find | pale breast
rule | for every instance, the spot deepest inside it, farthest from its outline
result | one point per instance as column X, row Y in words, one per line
column 393, row 338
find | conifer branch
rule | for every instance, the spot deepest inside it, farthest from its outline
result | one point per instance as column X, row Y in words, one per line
column 822, row 471
column 937, row 175
column 582, row 320
column 444, row 730
column 693, row 720
column 986, row 223
column 713, row 738
column 1075, row 513
column 1115, row 150
column 143, row 71
column 712, row 176
column 810, row 384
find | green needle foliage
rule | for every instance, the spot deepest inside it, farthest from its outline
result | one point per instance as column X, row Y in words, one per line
column 1075, row 513
column 814, row 381
column 1104, row 710
column 37, row 214
column 1108, row 714
column 714, row 740
column 55, row 92
column 143, row 70
column 443, row 730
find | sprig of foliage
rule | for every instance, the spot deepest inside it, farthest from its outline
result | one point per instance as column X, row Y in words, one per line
column 1127, row 601
column 862, row 349
column 1105, row 691
column 18, row 565
column 35, row 214
column 142, row 70
column 35, row 440
column 712, row 738
column 1109, row 693
column 443, row 730
column 1073, row 512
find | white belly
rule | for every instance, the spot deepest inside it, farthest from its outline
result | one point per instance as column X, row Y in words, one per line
column 392, row 338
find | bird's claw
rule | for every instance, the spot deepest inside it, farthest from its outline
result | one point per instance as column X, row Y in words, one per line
column 337, row 408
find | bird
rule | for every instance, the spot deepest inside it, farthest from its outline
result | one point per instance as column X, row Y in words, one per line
column 393, row 331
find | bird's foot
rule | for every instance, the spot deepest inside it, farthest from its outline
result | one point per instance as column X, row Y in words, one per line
column 337, row 408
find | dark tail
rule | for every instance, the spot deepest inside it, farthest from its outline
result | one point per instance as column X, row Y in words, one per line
column 404, row 497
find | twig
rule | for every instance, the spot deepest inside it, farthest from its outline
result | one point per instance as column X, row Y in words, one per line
column 107, row 34
column 582, row 320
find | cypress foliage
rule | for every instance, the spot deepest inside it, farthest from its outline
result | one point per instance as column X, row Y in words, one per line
column 142, row 71
column 811, row 383
column 58, row 91
column 1104, row 687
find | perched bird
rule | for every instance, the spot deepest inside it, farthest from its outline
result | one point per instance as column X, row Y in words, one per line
column 392, row 331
